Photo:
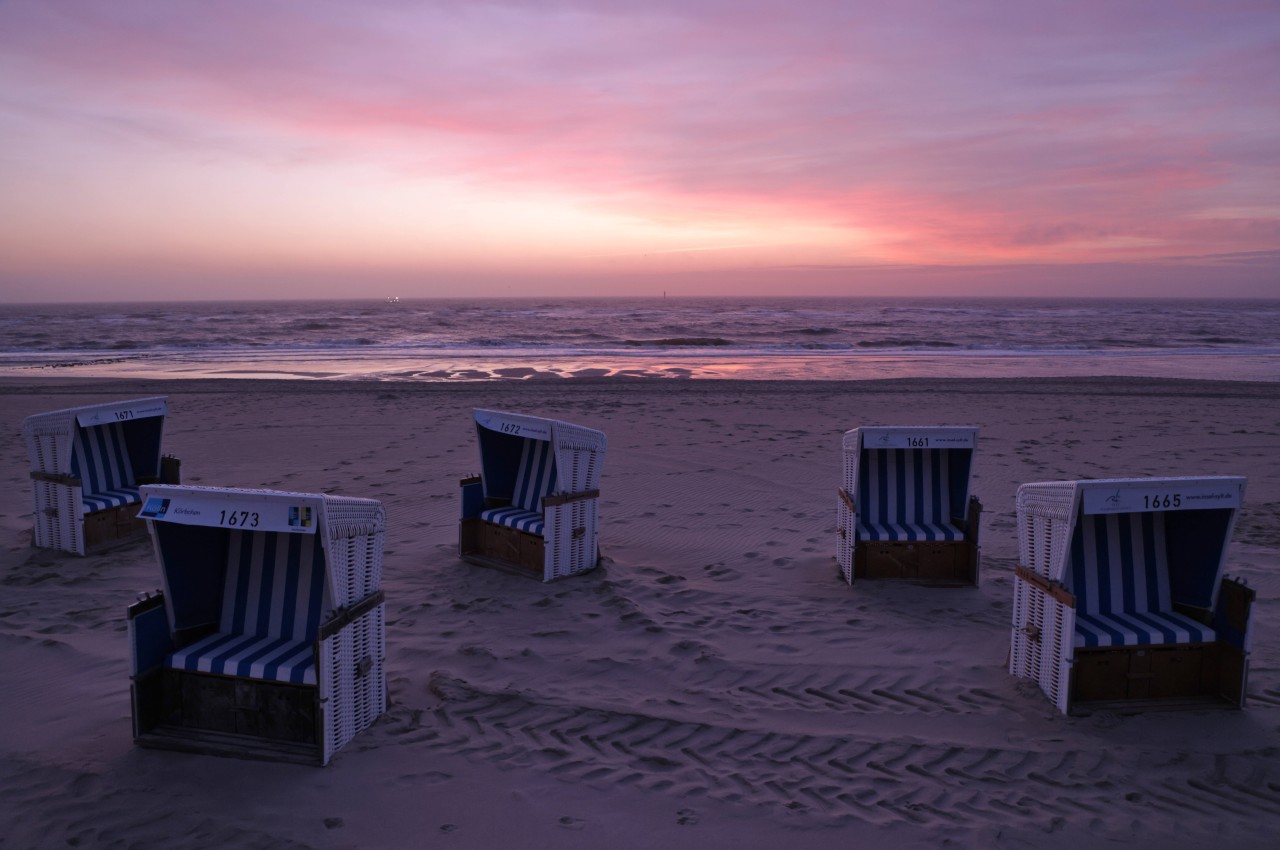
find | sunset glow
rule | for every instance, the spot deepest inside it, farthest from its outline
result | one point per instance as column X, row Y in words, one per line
column 186, row 149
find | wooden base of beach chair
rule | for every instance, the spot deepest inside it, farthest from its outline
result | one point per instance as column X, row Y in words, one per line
column 492, row 545
column 942, row 563
column 946, row 563
column 1134, row 678
column 112, row 527
column 116, row 526
column 228, row 715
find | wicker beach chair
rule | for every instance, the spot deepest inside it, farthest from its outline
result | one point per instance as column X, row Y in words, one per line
column 1120, row 599
column 86, row 466
column 268, row 638
column 535, row 507
column 904, row 510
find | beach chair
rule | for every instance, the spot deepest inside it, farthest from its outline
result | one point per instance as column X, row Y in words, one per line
column 535, row 507
column 904, row 510
column 268, row 637
column 1120, row 599
column 86, row 466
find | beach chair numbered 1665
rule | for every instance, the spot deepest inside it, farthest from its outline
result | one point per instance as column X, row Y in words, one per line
column 1120, row 599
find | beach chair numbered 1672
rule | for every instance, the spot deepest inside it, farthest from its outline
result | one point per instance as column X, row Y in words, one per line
column 1120, row 599
column 269, row 638
column 904, row 510
column 86, row 466
column 535, row 507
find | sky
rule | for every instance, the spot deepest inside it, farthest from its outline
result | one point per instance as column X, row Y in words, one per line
column 175, row 149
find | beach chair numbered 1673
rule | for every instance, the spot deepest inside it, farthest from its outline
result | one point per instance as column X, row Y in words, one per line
column 535, row 507
column 1120, row 599
column 86, row 466
column 904, row 510
column 269, row 639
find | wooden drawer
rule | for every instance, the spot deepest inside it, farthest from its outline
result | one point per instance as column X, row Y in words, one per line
column 514, row 548
column 270, row 710
column 1179, row 671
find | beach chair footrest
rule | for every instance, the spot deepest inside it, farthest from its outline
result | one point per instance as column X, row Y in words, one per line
column 487, row 542
column 271, row 711
column 113, row 526
column 939, row 562
column 1175, row 673
column 203, row 742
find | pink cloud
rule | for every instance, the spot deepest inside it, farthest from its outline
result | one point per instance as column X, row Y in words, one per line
column 993, row 130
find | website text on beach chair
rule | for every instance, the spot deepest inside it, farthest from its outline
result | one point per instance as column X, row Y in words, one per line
column 535, row 506
column 268, row 639
column 86, row 466
column 1120, row 599
column 904, row 510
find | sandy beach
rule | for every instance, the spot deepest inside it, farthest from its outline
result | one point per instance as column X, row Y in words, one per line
column 713, row 684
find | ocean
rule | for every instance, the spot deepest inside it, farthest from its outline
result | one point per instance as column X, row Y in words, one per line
column 548, row 338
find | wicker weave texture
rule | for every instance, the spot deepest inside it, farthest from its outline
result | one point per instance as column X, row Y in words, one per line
column 355, row 531
column 844, row 538
column 1040, row 641
column 57, row 509
column 568, row 550
column 353, row 679
column 58, row 516
column 579, row 456
column 1046, row 515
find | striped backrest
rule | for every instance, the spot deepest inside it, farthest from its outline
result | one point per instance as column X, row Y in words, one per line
column 536, row 476
column 905, row 485
column 100, row 458
column 275, row 585
column 1119, row 564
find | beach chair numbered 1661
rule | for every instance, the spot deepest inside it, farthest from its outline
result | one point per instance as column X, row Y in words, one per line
column 269, row 638
column 86, row 466
column 904, row 510
column 1120, row 599
column 535, row 507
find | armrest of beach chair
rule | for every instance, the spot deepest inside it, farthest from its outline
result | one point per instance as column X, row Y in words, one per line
column 149, row 641
column 1033, row 620
column 969, row 522
column 57, row 478
column 566, row 498
column 472, row 496
column 850, row 531
column 1047, row 586
column 342, row 617
column 1234, row 616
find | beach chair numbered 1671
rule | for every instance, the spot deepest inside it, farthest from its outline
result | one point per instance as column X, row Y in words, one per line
column 1120, row 599
column 269, row 638
column 904, row 510
column 86, row 466
column 535, row 507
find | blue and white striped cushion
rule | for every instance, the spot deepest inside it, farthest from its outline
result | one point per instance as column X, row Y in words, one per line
column 273, row 600
column 536, row 476
column 535, row 479
column 517, row 518
column 905, row 494
column 1120, row 578
column 100, row 459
